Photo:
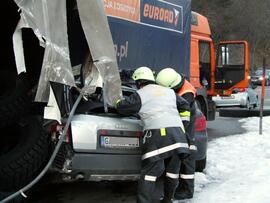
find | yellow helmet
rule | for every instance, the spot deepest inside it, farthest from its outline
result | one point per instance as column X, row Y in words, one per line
column 143, row 73
column 168, row 77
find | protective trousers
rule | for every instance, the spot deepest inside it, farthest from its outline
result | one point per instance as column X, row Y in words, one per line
column 149, row 174
column 185, row 188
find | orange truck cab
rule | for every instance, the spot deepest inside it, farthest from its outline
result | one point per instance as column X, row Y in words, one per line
column 215, row 75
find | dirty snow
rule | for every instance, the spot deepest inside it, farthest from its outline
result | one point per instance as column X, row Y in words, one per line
column 238, row 167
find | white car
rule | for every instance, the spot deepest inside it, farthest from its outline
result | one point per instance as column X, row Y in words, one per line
column 245, row 98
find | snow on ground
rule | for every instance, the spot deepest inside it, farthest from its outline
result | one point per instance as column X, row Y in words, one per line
column 238, row 167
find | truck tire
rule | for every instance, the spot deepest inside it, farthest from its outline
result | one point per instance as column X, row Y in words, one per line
column 201, row 106
column 23, row 153
column 200, row 165
column 14, row 100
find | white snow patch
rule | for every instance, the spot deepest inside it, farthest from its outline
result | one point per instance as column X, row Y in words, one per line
column 238, row 167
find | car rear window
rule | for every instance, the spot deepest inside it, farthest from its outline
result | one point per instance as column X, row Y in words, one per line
column 259, row 72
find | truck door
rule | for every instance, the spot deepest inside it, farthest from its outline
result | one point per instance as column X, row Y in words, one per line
column 232, row 68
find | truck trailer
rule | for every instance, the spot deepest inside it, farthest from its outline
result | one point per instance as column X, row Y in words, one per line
column 163, row 34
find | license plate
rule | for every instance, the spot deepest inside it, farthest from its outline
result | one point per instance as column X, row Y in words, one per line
column 119, row 142
column 230, row 97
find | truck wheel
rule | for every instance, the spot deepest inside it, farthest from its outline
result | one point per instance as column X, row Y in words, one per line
column 200, row 165
column 202, row 107
column 24, row 150
column 14, row 100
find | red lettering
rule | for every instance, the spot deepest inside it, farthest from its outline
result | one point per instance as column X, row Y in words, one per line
column 161, row 14
column 156, row 13
column 151, row 12
column 171, row 17
column 166, row 16
column 146, row 10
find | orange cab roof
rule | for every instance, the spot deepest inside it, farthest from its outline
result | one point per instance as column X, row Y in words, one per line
column 199, row 24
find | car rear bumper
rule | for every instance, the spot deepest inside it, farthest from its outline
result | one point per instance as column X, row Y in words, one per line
column 98, row 167
column 239, row 99
column 110, row 167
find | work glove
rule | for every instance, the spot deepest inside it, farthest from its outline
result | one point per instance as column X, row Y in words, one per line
column 116, row 103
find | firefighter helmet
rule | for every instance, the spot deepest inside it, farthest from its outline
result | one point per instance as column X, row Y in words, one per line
column 143, row 73
column 168, row 77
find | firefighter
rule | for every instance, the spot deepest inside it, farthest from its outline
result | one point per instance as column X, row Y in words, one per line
column 168, row 77
column 164, row 141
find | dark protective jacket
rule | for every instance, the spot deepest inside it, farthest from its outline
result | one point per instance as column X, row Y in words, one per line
column 158, row 108
column 188, row 92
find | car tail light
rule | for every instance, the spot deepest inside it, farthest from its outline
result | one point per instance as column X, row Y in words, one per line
column 242, row 89
column 139, row 133
column 57, row 130
column 103, row 132
column 200, row 124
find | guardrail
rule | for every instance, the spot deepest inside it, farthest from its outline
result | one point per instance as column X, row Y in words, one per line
column 242, row 113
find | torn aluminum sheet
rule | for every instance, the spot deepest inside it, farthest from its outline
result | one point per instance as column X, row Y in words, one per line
column 95, row 25
column 52, row 110
column 47, row 18
column 90, row 76
column 18, row 47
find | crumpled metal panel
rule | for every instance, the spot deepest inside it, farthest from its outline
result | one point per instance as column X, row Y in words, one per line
column 95, row 25
column 48, row 20
column 18, row 47
column 90, row 76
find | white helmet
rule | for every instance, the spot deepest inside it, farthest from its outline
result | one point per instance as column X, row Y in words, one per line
column 168, row 77
column 143, row 73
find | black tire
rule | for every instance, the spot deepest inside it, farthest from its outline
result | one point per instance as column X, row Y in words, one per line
column 202, row 107
column 23, row 153
column 200, row 165
column 14, row 98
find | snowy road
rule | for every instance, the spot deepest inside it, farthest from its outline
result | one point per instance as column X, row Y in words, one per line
column 237, row 168
column 267, row 95
column 237, row 171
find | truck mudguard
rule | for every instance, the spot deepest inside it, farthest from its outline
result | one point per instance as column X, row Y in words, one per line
column 153, row 33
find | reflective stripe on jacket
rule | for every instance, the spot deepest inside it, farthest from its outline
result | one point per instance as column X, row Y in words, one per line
column 163, row 143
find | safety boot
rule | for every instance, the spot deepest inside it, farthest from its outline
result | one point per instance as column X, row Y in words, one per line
column 182, row 195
